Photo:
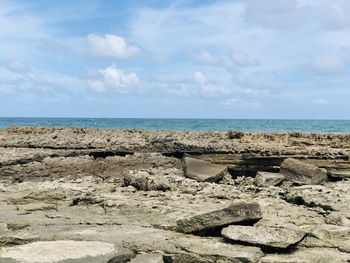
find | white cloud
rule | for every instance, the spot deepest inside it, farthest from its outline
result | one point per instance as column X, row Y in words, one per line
column 110, row 46
column 208, row 88
column 114, row 79
column 320, row 102
column 19, row 79
column 327, row 64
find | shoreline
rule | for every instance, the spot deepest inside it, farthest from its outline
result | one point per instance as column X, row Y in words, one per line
column 145, row 193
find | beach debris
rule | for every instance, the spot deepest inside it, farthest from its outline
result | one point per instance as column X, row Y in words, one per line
column 268, row 179
column 302, row 173
column 263, row 235
column 203, row 171
column 236, row 213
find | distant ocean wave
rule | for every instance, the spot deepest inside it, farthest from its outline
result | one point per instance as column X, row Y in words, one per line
column 333, row 126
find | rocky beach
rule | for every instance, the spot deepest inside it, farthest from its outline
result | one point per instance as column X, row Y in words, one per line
column 73, row 195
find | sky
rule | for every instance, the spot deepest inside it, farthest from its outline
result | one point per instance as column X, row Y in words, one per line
column 175, row 59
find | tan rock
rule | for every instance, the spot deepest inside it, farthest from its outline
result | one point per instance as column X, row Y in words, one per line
column 302, row 173
column 203, row 171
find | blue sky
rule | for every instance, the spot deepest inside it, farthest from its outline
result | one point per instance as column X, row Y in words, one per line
column 178, row 59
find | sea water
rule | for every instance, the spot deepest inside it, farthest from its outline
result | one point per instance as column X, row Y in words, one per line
column 334, row 126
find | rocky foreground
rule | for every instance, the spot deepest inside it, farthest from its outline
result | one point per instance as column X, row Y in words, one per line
column 98, row 196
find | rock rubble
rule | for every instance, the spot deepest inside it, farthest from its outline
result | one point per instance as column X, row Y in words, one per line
column 85, row 195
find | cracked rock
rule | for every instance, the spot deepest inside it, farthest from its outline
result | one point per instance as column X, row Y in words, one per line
column 265, row 236
column 239, row 212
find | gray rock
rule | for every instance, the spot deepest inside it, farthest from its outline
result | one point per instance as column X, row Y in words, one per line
column 312, row 255
column 263, row 235
column 268, row 179
column 213, row 250
column 203, row 171
column 339, row 174
column 179, row 248
column 64, row 251
column 302, row 173
column 238, row 212
column 331, row 236
column 148, row 258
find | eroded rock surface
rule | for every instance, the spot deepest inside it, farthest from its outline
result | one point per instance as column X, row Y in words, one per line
column 276, row 237
column 128, row 189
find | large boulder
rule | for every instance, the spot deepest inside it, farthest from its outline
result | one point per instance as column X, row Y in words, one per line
column 66, row 251
column 263, row 235
column 236, row 213
column 302, row 173
column 268, row 179
column 203, row 171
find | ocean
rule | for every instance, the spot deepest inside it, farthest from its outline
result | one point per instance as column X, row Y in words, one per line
column 322, row 126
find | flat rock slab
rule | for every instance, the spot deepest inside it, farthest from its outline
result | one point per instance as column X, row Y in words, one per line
column 302, row 173
column 264, row 236
column 268, row 179
column 213, row 250
column 329, row 236
column 203, row 171
column 236, row 213
column 148, row 258
column 65, row 251
column 339, row 174
column 312, row 255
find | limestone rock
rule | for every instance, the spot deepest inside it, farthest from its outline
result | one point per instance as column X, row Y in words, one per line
column 238, row 212
column 211, row 250
column 148, row 258
column 268, row 179
column 143, row 181
column 65, row 251
column 265, row 236
column 331, row 236
column 302, row 173
column 203, row 171
column 312, row 255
